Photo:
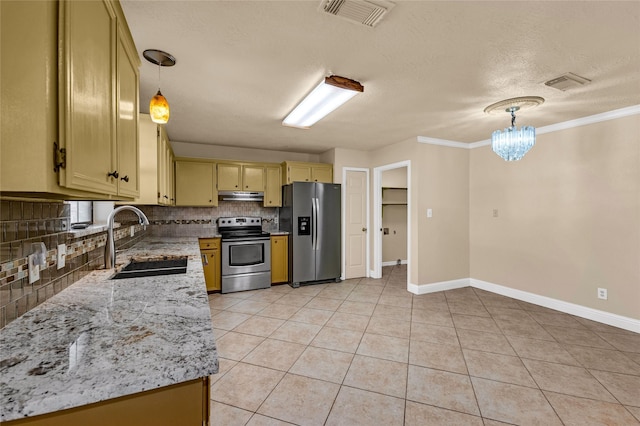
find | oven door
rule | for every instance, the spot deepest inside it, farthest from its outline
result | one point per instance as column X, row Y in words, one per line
column 246, row 257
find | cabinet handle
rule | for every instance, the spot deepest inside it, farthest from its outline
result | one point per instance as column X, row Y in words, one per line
column 113, row 174
column 205, row 261
column 126, row 178
column 166, row 197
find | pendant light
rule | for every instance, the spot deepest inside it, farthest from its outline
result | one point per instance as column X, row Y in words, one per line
column 511, row 144
column 158, row 106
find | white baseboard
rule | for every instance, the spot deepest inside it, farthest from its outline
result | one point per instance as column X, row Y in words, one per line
column 562, row 306
column 441, row 286
column 394, row 263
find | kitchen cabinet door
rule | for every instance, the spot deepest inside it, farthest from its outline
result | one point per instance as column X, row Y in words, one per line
column 127, row 117
column 322, row 173
column 229, row 177
column 279, row 259
column 195, row 184
column 87, row 120
column 273, row 187
column 298, row 173
column 210, row 252
column 252, row 178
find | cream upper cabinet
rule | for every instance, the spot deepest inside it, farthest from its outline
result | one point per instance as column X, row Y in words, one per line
column 69, row 106
column 273, row 187
column 229, row 177
column 240, row 177
column 294, row 171
column 87, row 87
column 127, row 122
column 166, row 195
column 322, row 173
column 195, row 183
column 252, row 177
column 149, row 161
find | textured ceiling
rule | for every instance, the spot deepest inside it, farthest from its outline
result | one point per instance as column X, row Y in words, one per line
column 428, row 69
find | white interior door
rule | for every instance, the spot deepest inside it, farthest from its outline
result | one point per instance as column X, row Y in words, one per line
column 356, row 227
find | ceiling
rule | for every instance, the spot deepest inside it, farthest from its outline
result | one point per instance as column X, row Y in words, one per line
column 429, row 68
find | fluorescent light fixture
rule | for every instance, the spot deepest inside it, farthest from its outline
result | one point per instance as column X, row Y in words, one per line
column 332, row 92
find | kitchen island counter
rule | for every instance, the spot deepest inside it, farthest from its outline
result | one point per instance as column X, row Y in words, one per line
column 101, row 339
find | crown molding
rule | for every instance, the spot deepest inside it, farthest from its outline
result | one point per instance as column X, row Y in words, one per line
column 597, row 118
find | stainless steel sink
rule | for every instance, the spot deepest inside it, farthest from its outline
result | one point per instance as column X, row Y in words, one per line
column 152, row 267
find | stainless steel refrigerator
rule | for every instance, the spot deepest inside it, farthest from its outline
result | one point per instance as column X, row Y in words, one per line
column 310, row 213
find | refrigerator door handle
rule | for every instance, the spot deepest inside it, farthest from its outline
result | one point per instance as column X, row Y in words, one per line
column 318, row 215
column 314, row 223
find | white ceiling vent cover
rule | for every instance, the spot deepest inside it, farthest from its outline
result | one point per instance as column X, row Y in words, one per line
column 367, row 13
column 567, row 81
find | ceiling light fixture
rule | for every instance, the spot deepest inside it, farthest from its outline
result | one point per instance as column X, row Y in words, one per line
column 511, row 144
column 158, row 106
column 332, row 92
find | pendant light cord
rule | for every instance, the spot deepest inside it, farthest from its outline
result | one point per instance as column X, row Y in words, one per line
column 513, row 117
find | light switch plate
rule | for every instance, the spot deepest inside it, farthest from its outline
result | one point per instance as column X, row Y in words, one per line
column 62, row 254
column 132, row 230
column 34, row 269
column 429, row 213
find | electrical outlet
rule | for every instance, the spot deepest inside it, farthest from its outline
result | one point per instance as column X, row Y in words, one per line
column 429, row 213
column 132, row 230
column 275, row 220
column 34, row 268
column 602, row 293
column 62, row 254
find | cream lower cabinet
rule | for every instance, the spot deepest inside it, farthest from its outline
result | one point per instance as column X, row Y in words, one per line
column 195, row 183
column 210, row 252
column 182, row 404
column 69, row 105
column 279, row 259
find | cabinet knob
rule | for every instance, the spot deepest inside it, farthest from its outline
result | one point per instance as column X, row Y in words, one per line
column 209, row 200
column 126, row 178
column 364, row 229
column 113, row 174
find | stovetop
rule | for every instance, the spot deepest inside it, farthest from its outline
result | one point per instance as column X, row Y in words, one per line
column 233, row 228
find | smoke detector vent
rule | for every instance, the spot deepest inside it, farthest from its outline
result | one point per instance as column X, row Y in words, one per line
column 363, row 12
column 567, row 81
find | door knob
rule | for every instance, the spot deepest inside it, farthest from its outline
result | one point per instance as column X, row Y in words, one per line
column 364, row 229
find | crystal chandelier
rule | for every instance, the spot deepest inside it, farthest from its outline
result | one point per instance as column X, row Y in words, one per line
column 511, row 144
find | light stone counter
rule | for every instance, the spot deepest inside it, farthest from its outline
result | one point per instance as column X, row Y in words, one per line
column 101, row 339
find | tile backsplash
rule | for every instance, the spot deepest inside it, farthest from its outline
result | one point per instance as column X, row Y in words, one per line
column 23, row 223
column 202, row 221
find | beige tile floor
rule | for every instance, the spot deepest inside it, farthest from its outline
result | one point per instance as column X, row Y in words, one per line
column 367, row 352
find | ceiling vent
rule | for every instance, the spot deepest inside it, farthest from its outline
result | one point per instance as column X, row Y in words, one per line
column 367, row 13
column 567, row 81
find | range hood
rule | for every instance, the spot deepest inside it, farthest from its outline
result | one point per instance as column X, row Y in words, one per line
column 240, row 196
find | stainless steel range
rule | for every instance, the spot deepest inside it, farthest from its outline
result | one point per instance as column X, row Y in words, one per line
column 246, row 254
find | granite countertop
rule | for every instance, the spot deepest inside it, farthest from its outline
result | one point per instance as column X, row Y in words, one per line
column 101, row 339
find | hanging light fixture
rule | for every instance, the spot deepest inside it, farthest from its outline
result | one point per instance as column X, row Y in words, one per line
column 511, row 144
column 332, row 92
column 158, row 106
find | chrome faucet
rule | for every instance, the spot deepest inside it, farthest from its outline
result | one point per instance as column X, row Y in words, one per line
column 110, row 246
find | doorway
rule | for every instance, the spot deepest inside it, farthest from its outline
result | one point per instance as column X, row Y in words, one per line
column 401, row 197
column 355, row 225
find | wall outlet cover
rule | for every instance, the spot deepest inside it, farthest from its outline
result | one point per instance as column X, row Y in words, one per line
column 602, row 293
column 62, row 255
column 34, row 269
column 132, row 230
